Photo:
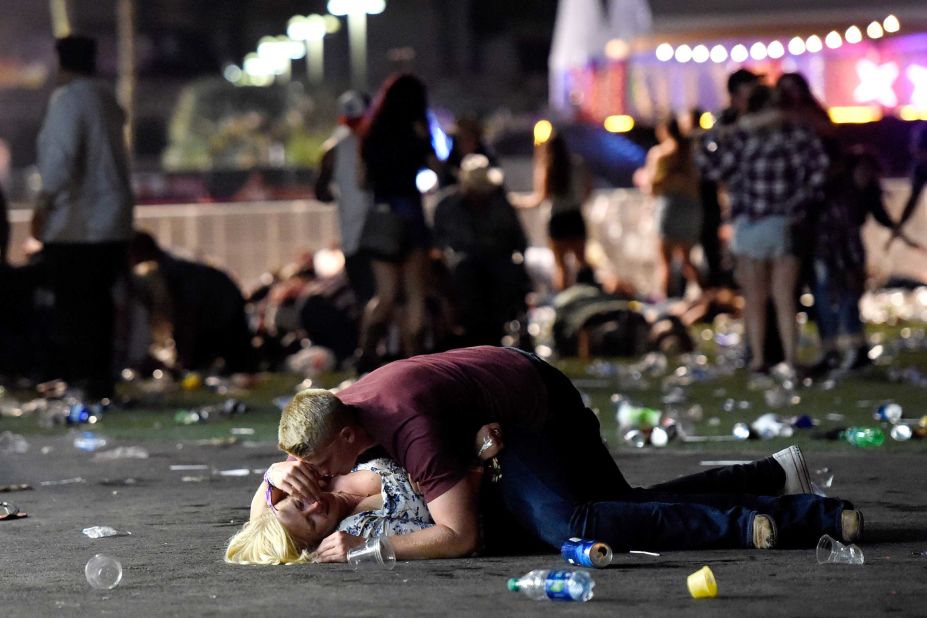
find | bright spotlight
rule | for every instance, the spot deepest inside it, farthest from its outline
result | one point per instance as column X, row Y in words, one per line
column 853, row 35
column 813, row 44
column 797, row 46
column 739, row 53
column 718, row 54
column 758, row 51
column 874, row 30
column 683, row 53
column 700, row 54
column 891, row 24
column 775, row 50
column 664, row 52
column 833, row 40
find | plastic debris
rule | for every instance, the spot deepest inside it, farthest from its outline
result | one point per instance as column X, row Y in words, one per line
column 702, row 584
column 70, row 481
column 102, row 532
column 13, row 443
column 122, row 452
column 832, row 551
column 103, row 572
column 89, row 441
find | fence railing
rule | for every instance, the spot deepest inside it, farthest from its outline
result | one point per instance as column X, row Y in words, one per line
column 249, row 239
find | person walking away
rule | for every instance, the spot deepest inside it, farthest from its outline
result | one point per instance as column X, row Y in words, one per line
column 83, row 213
column 395, row 144
column 338, row 170
column 671, row 177
column 562, row 183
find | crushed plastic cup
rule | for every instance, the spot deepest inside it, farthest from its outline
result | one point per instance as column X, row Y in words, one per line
column 103, row 572
column 8, row 509
column 376, row 552
column 702, row 584
column 824, row 477
column 832, row 551
column 89, row 441
column 636, row 438
column 100, row 532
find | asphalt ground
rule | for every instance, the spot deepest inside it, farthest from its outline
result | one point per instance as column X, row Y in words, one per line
column 180, row 519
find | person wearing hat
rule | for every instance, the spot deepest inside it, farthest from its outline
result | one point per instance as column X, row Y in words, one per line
column 482, row 242
column 338, row 180
column 83, row 214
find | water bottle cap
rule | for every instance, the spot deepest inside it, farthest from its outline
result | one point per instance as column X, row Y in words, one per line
column 513, row 584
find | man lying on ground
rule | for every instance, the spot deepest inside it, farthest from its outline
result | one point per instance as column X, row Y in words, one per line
column 557, row 480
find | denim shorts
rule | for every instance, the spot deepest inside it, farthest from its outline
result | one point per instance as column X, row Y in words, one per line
column 765, row 238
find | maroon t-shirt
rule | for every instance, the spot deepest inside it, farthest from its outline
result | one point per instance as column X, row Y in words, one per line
column 425, row 411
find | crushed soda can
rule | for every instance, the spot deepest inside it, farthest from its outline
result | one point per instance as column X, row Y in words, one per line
column 586, row 553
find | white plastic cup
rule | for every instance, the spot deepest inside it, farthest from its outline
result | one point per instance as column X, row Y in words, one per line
column 376, row 553
column 832, row 551
column 103, row 572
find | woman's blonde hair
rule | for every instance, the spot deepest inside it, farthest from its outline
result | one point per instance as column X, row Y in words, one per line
column 264, row 540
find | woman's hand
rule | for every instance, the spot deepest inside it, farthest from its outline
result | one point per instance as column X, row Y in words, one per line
column 335, row 547
column 489, row 441
column 297, row 478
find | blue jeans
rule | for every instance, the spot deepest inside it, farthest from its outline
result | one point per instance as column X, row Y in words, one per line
column 837, row 308
column 560, row 481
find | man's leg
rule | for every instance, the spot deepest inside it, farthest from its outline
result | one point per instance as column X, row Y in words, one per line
column 541, row 494
column 762, row 477
column 801, row 519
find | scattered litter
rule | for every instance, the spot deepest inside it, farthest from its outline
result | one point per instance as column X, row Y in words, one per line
column 100, row 532
column 234, row 472
column 224, row 441
column 554, row 585
column 193, row 479
column 71, row 481
column 702, row 584
column 832, row 551
column 242, row 431
column 176, row 467
column 835, row 417
column 586, row 553
column 15, row 487
column 824, row 477
column 89, row 441
column 724, row 462
column 122, row 452
column 13, row 443
column 103, row 572
column 644, row 553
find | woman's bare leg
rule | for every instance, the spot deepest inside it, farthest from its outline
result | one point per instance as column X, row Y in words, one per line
column 379, row 309
column 414, row 279
column 665, row 267
column 784, row 278
column 558, row 248
column 754, row 280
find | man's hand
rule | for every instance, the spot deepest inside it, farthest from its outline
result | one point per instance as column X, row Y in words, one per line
column 335, row 547
column 489, row 441
column 297, row 478
column 39, row 216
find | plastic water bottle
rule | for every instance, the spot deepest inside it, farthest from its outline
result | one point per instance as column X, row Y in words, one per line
column 554, row 585
column 89, row 441
column 103, row 572
column 864, row 437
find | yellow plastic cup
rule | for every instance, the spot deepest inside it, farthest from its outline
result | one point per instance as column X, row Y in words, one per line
column 702, row 584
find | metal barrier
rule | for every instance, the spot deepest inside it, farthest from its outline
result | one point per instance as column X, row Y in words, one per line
column 249, row 239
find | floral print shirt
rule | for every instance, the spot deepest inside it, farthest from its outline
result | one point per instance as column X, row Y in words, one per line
column 403, row 511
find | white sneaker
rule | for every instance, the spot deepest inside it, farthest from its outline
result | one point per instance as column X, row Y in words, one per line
column 797, row 479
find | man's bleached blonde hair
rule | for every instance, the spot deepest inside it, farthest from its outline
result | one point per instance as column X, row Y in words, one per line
column 311, row 420
column 264, row 540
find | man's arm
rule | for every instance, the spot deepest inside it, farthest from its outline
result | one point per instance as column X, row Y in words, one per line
column 455, row 533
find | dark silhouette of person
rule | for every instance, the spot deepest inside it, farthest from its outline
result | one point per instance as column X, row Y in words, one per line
column 201, row 305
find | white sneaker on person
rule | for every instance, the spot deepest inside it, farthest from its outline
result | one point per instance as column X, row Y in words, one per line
column 764, row 532
column 797, row 479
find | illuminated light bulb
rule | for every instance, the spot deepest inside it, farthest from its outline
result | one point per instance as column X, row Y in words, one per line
column 700, row 54
column 706, row 120
column 718, row 53
column 833, row 40
column 853, row 35
column 619, row 124
column 664, row 52
column 813, row 44
column 617, row 49
column 739, row 53
column 891, row 24
column 797, row 46
column 758, row 51
column 542, row 131
column 874, row 30
column 876, row 83
column 683, row 53
column 775, row 50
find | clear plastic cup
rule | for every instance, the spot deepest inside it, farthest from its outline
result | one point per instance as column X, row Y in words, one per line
column 702, row 584
column 103, row 572
column 832, row 551
column 376, row 553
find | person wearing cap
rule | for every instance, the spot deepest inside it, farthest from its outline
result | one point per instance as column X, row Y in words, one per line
column 338, row 180
column 482, row 241
column 83, row 213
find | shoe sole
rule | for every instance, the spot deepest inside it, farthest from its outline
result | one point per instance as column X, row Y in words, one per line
column 770, row 540
column 797, row 461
